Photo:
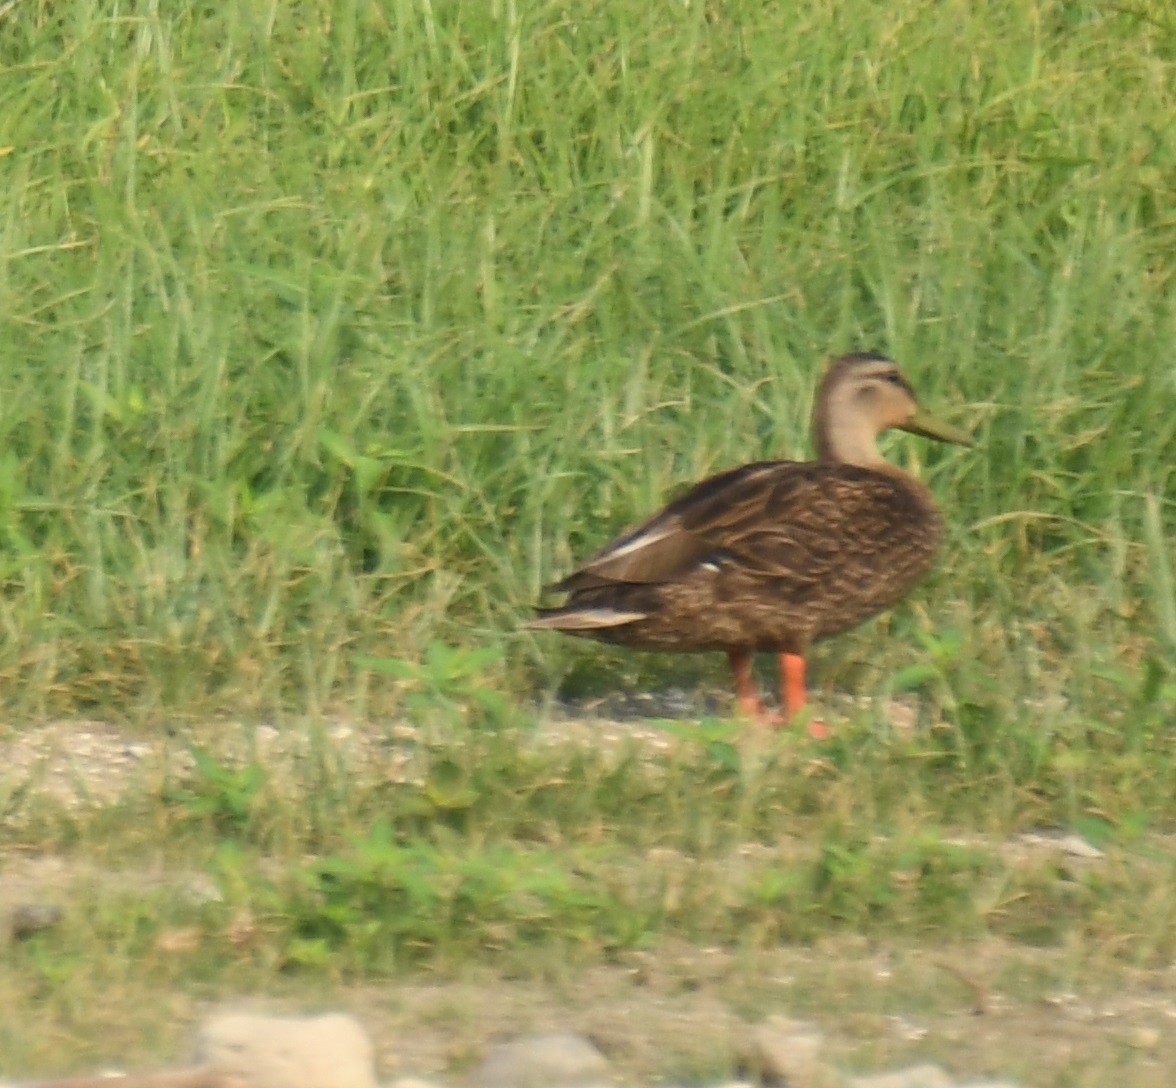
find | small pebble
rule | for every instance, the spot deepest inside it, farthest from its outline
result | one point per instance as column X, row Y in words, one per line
column 787, row 1051
column 30, row 918
column 1145, row 1038
column 544, row 1061
column 917, row 1076
column 288, row 1052
column 1074, row 846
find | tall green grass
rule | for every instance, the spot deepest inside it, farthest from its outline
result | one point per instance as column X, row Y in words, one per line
column 333, row 328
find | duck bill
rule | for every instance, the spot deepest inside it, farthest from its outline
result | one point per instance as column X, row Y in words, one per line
column 930, row 427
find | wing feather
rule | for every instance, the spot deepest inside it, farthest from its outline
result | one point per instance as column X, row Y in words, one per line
column 678, row 538
column 796, row 523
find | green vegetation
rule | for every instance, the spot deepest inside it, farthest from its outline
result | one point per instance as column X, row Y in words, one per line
column 333, row 328
column 332, row 331
column 467, row 842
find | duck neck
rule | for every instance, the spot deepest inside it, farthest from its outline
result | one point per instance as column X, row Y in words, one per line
column 847, row 445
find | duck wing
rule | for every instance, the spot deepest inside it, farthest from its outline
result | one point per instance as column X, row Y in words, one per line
column 796, row 523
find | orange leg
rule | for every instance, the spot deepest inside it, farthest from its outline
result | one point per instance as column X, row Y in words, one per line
column 793, row 694
column 746, row 696
column 792, row 690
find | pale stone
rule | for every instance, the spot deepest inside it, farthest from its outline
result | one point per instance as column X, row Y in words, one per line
column 29, row 918
column 173, row 1078
column 544, row 1061
column 788, row 1051
column 1074, row 846
column 330, row 1051
column 917, row 1076
column 1145, row 1038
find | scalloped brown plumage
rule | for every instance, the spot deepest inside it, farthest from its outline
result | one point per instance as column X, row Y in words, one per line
column 775, row 555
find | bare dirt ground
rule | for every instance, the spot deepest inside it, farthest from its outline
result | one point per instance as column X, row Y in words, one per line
column 1074, row 1016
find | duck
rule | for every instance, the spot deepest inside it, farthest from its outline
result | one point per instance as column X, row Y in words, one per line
column 774, row 556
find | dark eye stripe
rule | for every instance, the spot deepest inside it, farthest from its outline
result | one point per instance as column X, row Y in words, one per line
column 895, row 378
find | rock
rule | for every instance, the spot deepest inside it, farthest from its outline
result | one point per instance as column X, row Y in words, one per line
column 544, row 1061
column 412, row 1082
column 788, row 1052
column 990, row 1084
column 1071, row 845
column 330, row 1051
column 30, row 918
column 1077, row 847
column 1144, row 1038
column 917, row 1076
column 724, row 1084
column 173, row 1078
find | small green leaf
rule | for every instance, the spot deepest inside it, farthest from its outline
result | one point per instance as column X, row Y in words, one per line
column 915, row 676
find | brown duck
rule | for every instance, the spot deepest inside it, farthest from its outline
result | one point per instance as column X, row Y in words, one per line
column 774, row 555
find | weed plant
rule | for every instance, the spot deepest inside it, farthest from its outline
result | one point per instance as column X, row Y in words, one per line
column 333, row 329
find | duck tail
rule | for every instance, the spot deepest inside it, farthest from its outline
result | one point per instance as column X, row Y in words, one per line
column 572, row 618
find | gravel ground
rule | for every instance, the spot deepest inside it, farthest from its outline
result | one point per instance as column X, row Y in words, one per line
column 663, row 1016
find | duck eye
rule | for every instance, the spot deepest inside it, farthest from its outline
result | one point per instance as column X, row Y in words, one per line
column 894, row 377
